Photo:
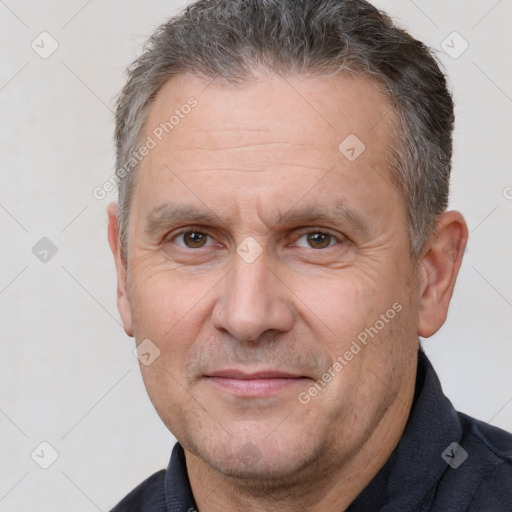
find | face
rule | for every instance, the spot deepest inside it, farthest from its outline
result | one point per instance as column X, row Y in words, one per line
column 270, row 267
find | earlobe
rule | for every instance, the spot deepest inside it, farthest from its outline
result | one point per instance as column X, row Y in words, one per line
column 439, row 269
column 123, row 303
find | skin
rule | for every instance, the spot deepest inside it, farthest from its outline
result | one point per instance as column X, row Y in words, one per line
column 246, row 156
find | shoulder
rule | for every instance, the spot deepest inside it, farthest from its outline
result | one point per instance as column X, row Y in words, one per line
column 146, row 497
column 491, row 442
column 485, row 475
column 492, row 449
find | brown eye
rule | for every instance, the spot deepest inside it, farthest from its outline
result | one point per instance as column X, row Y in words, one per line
column 319, row 240
column 193, row 239
column 316, row 240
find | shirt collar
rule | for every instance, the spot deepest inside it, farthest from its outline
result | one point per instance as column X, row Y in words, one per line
column 409, row 478
column 178, row 493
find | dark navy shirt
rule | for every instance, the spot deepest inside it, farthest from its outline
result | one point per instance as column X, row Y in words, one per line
column 445, row 462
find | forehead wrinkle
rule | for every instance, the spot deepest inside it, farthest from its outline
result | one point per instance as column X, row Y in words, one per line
column 236, row 127
column 225, row 169
column 248, row 146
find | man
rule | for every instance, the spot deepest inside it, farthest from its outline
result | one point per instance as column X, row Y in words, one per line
column 281, row 242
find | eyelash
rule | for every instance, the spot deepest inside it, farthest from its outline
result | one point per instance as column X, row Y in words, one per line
column 300, row 234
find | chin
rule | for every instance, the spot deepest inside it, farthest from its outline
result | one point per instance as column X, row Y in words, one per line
column 267, row 460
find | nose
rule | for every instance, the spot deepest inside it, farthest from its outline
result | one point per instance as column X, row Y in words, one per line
column 252, row 300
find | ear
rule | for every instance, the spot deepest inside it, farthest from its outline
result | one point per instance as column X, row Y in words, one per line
column 123, row 303
column 440, row 266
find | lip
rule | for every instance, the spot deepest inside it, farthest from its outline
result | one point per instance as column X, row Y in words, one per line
column 256, row 384
column 264, row 374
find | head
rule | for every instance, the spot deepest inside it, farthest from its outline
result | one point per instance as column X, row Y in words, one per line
column 283, row 182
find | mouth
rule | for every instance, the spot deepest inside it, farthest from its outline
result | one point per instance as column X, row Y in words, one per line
column 258, row 384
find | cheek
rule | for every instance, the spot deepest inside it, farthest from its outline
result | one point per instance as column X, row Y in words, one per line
column 339, row 308
column 165, row 303
column 170, row 311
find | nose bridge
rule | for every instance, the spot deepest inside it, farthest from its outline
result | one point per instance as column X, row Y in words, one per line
column 253, row 300
column 250, row 282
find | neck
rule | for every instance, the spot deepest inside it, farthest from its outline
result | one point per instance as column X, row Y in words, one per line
column 329, row 484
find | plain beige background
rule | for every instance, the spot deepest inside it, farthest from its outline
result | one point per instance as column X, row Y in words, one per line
column 68, row 375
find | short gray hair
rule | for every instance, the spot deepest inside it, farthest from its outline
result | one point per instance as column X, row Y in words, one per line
column 230, row 39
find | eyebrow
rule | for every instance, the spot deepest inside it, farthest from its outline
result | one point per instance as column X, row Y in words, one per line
column 168, row 214
column 337, row 213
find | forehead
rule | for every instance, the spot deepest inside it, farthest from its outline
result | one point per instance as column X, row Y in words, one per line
column 299, row 109
column 272, row 138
